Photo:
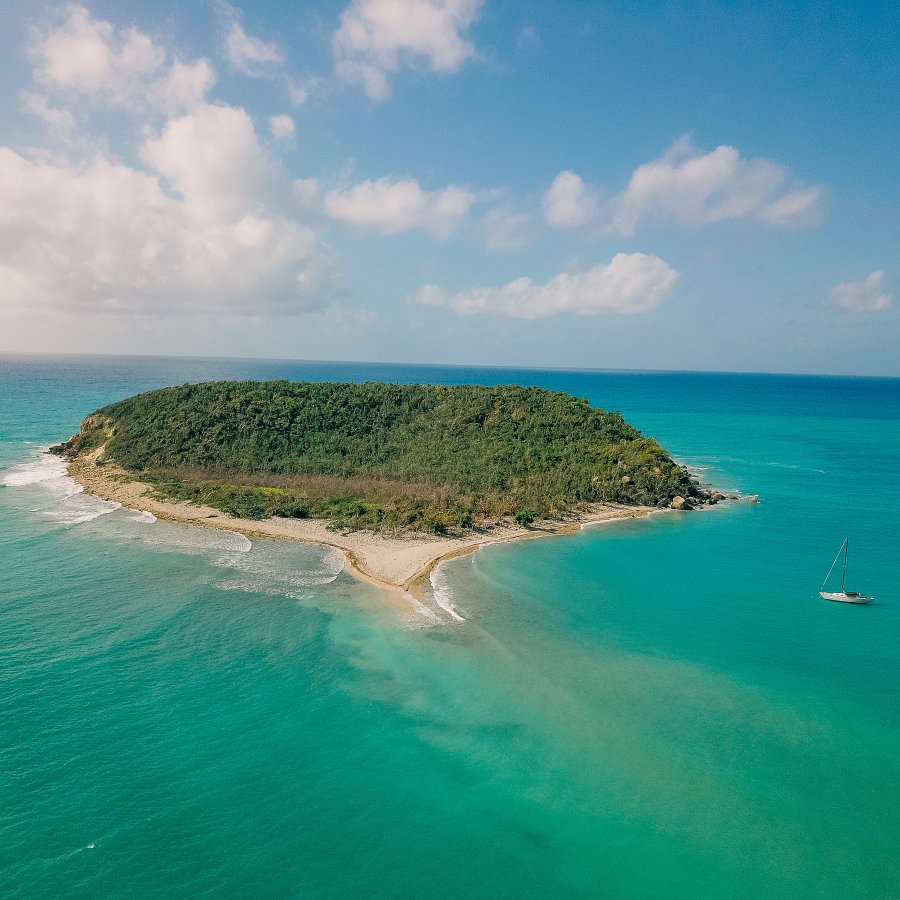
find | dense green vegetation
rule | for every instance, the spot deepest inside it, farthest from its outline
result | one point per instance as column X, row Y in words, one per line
column 383, row 456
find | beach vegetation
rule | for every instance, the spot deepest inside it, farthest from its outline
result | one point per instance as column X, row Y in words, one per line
column 388, row 457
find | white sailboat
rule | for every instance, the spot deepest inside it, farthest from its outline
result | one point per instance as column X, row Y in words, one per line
column 842, row 596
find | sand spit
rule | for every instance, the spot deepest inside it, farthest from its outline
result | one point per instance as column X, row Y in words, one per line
column 400, row 563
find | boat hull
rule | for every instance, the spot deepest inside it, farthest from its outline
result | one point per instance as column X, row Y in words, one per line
column 843, row 597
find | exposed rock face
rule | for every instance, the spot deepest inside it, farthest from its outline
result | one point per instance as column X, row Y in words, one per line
column 698, row 496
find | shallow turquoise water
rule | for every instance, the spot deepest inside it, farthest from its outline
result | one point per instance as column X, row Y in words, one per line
column 663, row 707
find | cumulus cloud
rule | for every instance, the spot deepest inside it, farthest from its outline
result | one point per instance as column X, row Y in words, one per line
column 390, row 207
column 630, row 283
column 866, row 296
column 694, row 188
column 205, row 221
column 690, row 188
column 569, row 202
column 103, row 236
column 91, row 59
column 213, row 159
column 377, row 37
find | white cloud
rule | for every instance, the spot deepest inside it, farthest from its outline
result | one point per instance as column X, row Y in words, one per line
column 202, row 224
column 282, row 127
column 569, row 202
column 59, row 122
column 92, row 56
column 696, row 189
column 119, row 67
column 630, row 283
column 249, row 54
column 866, row 296
column 100, row 236
column 183, row 86
column 213, row 158
column 689, row 188
column 390, row 207
column 378, row 37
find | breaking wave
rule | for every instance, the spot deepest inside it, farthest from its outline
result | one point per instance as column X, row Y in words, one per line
column 443, row 596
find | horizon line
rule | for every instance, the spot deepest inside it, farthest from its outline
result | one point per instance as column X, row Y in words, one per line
column 439, row 365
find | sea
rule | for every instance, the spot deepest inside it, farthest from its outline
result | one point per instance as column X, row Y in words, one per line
column 656, row 708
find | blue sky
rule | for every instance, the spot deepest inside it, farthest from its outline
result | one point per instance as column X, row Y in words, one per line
column 616, row 185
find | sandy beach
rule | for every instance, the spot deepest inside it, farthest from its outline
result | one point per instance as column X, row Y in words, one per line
column 400, row 563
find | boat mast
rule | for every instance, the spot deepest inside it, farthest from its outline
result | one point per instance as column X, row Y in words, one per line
column 844, row 573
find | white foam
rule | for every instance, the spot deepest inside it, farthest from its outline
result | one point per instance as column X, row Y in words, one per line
column 273, row 571
column 425, row 617
column 443, row 596
column 78, row 508
column 192, row 538
column 45, row 467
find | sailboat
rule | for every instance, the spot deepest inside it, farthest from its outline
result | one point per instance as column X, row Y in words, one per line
column 842, row 596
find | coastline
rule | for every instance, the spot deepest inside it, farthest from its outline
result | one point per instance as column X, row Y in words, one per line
column 399, row 565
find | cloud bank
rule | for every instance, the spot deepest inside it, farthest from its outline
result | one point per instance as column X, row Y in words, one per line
column 629, row 284
column 195, row 225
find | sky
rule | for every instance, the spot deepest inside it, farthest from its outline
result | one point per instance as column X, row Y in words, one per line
column 700, row 186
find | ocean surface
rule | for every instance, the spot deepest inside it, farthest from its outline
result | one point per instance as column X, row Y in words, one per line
column 658, row 708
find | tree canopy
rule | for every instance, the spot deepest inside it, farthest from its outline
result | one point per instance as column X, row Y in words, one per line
column 383, row 456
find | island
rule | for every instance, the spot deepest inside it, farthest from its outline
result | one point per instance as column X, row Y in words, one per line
column 395, row 476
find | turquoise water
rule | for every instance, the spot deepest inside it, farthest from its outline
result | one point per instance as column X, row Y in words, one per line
column 662, row 707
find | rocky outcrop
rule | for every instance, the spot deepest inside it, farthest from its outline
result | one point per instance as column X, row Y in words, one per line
column 95, row 432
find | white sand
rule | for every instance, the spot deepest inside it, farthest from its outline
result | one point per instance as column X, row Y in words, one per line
column 401, row 562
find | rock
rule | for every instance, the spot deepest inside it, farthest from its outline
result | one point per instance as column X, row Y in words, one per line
column 753, row 498
column 626, row 479
column 680, row 503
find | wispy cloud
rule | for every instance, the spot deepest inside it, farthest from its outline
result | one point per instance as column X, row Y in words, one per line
column 866, row 296
column 630, row 283
column 505, row 229
column 377, row 38
column 282, row 127
column 246, row 53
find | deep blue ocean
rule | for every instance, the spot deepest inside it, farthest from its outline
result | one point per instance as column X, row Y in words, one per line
column 655, row 708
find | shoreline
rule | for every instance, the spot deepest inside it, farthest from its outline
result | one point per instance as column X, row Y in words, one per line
column 398, row 565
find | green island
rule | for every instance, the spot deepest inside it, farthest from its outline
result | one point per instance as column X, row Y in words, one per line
column 384, row 457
